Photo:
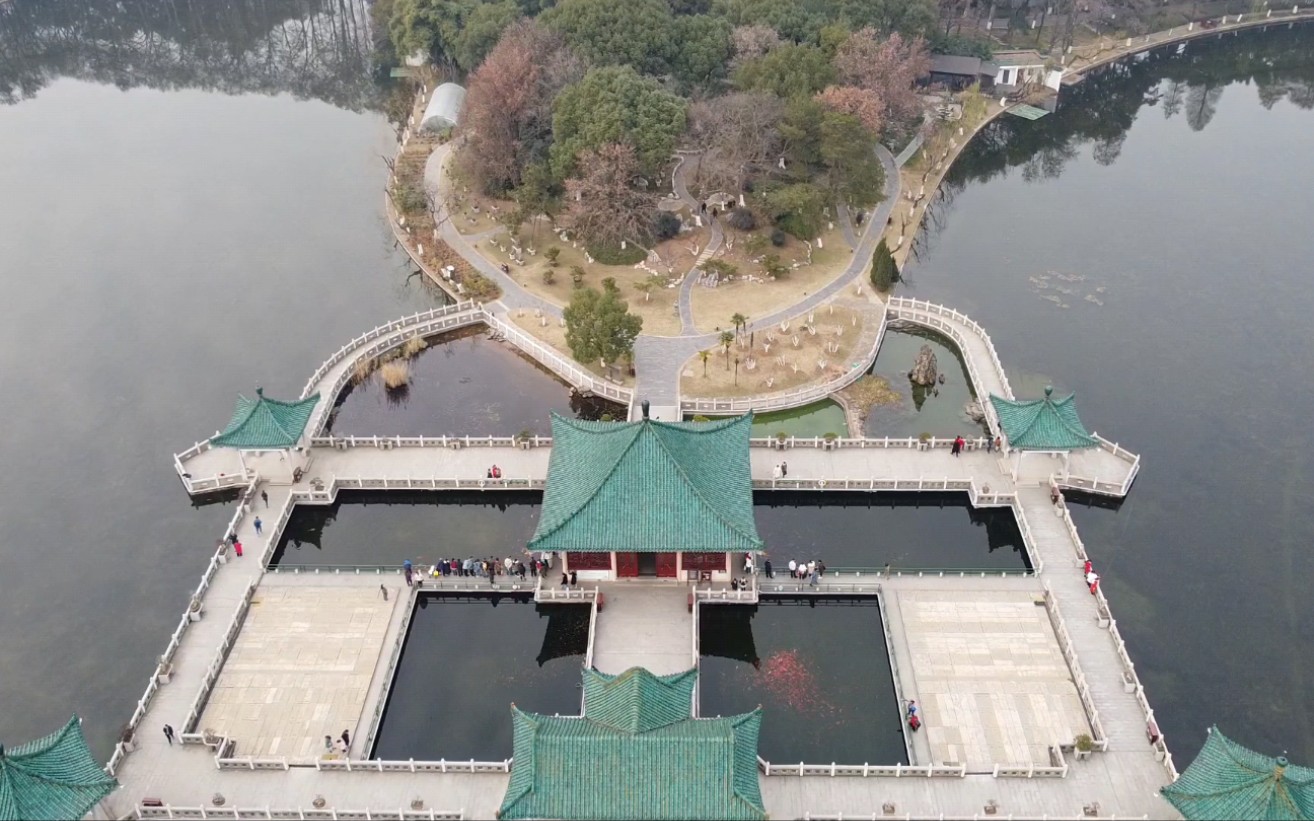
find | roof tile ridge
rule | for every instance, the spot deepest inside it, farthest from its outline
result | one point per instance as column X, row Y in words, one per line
column 734, row 528
column 619, row 458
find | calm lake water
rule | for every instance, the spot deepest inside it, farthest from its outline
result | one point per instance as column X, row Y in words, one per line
column 818, row 668
column 939, row 411
column 1175, row 192
column 196, row 210
column 464, row 384
column 465, row 660
column 907, row 530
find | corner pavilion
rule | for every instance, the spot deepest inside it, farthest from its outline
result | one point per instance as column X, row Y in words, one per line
column 670, row 500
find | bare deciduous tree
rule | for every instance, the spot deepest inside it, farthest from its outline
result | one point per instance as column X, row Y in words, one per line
column 886, row 67
column 736, row 132
column 602, row 204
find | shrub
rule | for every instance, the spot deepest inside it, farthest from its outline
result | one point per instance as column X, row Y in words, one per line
column 549, row 276
column 773, row 267
column 551, row 255
column 700, row 418
column 396, row 374
column 413, row 346
column 479, row 287
column 408, row 198
column 742, row 219
column 363, row 369
column 615, row 255
column 666, row 225
column 577, row 276
column 884, row 272
column 778, row 237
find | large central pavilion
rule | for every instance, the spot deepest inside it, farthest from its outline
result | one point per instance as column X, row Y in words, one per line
column 660, row 499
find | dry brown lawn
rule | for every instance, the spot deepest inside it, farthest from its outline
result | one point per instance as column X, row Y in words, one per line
column 549, row 330
column 658, row 308
column 713, row 307
column 780, row 364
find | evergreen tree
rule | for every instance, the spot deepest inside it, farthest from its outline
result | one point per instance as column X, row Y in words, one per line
column 884, row 271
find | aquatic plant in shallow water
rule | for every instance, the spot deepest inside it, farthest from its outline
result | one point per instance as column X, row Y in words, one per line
column 396, row 374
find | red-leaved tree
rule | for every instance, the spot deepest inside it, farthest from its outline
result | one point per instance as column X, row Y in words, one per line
column 862, row 103
column 508, row 107
column 887, row 67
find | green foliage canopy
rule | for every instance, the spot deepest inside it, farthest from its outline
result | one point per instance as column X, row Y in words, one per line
column 884, row 273
column 599, row 325
column 615, row 105
column 799, row 209
column 788, row 71
column 638, row 33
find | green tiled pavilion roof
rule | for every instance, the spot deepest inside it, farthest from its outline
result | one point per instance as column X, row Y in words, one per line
column 656, row 487
column 637, row 701
column 266, row 424
column 1228, row 781
column 51, row 778
column 1042, row 424
column 628, row 759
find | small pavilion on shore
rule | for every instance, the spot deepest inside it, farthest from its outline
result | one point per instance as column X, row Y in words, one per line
column 55, row 777
column 635, row 753
column 653, row 499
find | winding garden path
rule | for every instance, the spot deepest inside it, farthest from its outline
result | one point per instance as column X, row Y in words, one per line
column 658, row 360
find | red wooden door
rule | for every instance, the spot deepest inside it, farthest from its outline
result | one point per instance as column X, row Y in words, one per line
column 627, row 565
column 666, row 565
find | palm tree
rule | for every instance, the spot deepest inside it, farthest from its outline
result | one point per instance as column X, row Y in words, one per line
column 741, row 322
column 704, row 356
column 727, row 339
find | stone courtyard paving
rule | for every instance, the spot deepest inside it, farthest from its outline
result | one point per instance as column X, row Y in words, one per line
column 300, row 668
column 991, row 680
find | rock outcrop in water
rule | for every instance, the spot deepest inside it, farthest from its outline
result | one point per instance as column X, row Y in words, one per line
column 924, row 370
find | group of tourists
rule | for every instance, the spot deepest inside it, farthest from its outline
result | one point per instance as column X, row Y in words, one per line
column 493, row 472
column 780, row 471
column 991, row 445
column 490, row 568
column 1092, row 578
column 812, row 571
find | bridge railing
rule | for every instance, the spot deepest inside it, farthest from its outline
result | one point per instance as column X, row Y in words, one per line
column 832, row 770
column 864, row 443
column 790, row 398
column 881, row 816
column 932, row 315
column 1079, row 679
column 212, row 674
column 899, row 701
column 388, row 442
column 324, row 494
column 980, row 496
column 559, row 364
column 292, row 814
column 1028, row 537
column 381, row 340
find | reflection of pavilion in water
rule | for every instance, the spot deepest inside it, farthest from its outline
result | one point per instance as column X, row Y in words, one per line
column 567, row 633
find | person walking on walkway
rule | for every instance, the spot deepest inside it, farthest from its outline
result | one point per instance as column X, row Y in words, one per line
column 574, row 579
column 264, row 494
column 259, row 526
column 384, row 591
column 346, row 741
column 784, row 468
column 766, row 565
column 237, row 547
column 958, row 446
column 328, row 743
column 168, row 734
column 793, row 569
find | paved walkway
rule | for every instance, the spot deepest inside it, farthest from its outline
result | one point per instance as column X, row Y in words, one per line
column 644, row 624
column 714, row 241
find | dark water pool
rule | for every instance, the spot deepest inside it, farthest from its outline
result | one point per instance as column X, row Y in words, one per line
column 818, row 667
column 907, row 530
column 386, row 528
column 466, row 659
column 939, row 411
column 463, row 384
